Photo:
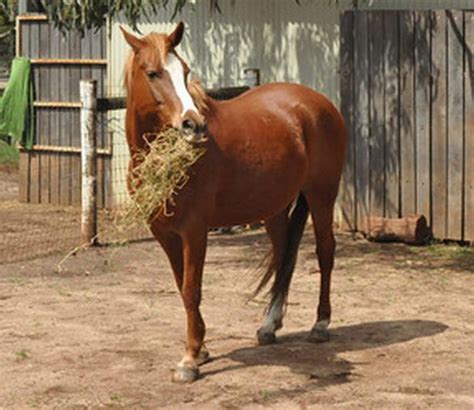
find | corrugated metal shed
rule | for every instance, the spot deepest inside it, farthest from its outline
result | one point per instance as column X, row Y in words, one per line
column 286, row 41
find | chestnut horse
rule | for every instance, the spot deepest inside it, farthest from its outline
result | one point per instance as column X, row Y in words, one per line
column 272, row 146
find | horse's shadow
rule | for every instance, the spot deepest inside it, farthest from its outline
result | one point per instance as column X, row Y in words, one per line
column 320, row 362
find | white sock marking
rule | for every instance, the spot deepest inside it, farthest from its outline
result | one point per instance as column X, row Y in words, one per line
column 176, row 72
column 274, row 315
column 322, row 324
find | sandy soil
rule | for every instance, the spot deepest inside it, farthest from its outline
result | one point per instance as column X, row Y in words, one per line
column 8, row 185
column 106, row 331
column 32, row 230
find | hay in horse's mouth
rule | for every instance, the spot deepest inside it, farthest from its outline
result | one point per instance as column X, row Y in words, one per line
column 161, row 172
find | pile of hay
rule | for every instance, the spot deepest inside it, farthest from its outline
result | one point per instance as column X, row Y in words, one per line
column 161, row 172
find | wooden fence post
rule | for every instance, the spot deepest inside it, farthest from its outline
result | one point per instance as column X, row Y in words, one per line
column 251, row 77
column 88, row 92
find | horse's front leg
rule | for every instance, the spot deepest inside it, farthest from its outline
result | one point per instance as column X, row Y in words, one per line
column 194, row 252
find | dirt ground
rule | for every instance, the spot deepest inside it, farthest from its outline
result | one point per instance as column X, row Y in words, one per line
column 32, row 230
column 108, row 329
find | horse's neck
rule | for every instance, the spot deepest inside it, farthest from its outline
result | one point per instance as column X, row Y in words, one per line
column 136, row 126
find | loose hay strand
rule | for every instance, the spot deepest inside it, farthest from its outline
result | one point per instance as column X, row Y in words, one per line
column 161, row 172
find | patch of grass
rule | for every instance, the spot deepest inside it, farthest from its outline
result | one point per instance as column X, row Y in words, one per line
column 267, row 394
column 460, row 257
column 451, row 251
column 22, row 354
column 61, row 291
column 9, row 156
column 114, row 400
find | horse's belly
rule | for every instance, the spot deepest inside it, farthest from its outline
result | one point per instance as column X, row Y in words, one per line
column 258, row 183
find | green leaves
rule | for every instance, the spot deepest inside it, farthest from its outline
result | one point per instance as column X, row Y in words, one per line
column 82, row 15
column 7, row 14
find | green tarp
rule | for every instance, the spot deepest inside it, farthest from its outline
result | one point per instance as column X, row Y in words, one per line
column 16, row 104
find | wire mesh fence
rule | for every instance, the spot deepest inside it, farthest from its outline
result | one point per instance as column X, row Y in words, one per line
column 40, row 199
column 45, row 217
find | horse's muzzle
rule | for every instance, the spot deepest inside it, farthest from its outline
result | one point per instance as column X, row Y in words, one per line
column 194, row 129
column 189, row 126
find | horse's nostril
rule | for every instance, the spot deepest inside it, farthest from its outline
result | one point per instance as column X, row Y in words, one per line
column 188, row 125
column 202, row 128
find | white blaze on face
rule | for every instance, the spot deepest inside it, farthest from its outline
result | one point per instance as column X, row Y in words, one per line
column 176, row 71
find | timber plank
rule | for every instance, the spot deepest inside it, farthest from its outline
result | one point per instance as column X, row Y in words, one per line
column 469, row 127
column 347, row 106
column 24, row 177
column 422, row 112
column 361, row 118
column 44, row 90
column 392, row 111
column 439, row 125
column 55, row 179
column 407, row 114
column 455, row 123
column 35, row 178
column 65, row 179
column 377, row 114
column 44, row 177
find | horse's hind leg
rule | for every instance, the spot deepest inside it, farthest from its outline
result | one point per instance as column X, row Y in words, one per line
column 277, row 230
column 322, row 211
column 285, row 233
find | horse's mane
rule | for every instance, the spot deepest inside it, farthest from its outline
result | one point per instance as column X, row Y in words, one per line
column 127, row 73
column 199, row 95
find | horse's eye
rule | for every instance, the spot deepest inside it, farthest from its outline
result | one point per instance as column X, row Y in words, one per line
column 153, row 74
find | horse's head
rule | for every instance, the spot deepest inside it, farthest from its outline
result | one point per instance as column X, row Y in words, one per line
column 156, row 80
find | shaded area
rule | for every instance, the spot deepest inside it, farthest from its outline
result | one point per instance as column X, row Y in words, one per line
column 320, row 361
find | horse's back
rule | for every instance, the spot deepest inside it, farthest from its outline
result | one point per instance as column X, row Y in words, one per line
column 289, row 105
column 268, row 141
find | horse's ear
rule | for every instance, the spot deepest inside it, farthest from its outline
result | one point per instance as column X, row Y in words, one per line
column 134, row 42
column 176, row 36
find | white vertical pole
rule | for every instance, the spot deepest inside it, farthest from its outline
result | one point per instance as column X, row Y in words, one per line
column 88, row 92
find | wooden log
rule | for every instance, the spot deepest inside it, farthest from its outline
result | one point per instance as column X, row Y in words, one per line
column 412, row 229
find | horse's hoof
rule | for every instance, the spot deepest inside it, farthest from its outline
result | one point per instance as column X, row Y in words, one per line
column 265, row 338
column 318, row 335
column 203, row 357
column 185, row 374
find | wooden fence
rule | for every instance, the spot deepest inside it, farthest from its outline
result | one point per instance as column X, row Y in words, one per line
column 51, row 171
column 407, row 89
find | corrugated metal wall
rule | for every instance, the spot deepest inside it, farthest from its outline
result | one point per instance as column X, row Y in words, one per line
column 287, row 42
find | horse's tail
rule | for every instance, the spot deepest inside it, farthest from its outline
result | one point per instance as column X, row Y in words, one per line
column 284, row 272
